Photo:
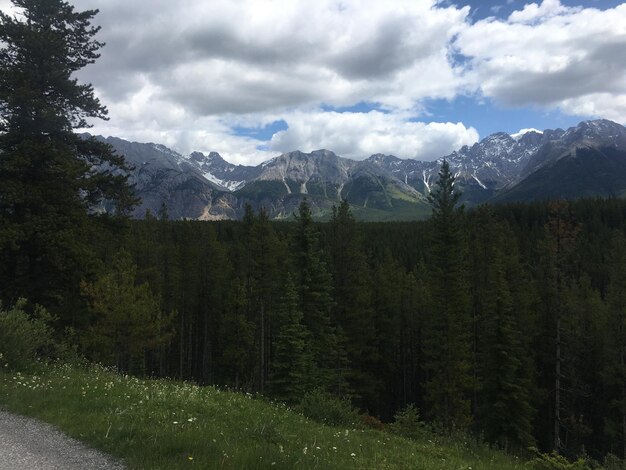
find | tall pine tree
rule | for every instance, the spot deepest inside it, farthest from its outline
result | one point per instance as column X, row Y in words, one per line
column 292, row 362
column 353, row 311
column 314, row 284
column 50, row 178
column 503, row 407
column 614, row 370
column 447, row 343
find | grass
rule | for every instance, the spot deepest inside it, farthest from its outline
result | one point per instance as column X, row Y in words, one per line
column 164, row 424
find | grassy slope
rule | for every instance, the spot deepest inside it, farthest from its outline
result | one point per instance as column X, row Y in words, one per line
column 164, row 424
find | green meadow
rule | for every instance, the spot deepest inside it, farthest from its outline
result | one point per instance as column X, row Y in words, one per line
column 162, row 424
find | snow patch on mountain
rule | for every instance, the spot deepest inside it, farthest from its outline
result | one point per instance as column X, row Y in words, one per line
column 229, row 185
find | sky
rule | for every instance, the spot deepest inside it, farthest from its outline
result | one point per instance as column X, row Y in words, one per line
column 251, row 79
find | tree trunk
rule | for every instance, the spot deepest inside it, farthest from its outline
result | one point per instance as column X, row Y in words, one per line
column 181, row 346
column 621, row 354
column 557, row 388
column 262, row 365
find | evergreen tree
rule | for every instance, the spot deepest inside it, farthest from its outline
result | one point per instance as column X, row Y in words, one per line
column 163, row 213
column 314, row 284
column 50, row 178
column 614, row 370
column 260, row 266
column 237, row 340
column 353, row 311
column 447, row 345
column 504, row 410
column 582, row 353
column 128, row 320
column 561, row 232
column 291, row 366
column 400, row 300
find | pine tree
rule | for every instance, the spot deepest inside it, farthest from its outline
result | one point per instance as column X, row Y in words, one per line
column 128, row 319
column 292, row 362
column 353, row 311
column 504, row 411
column 447, row 340
column 582, row 354
column 51, row 179
column 237, row 339
column 261, row 266
column 561, row 232
column 314, row 284
column 614, row 370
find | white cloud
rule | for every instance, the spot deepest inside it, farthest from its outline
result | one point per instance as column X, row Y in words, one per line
column 359, row 135
column 185, row 75
column 551, row 56
column 261, row 55
column 521, row 132
column 606, row 105
column 353, row 135
column 533, row 11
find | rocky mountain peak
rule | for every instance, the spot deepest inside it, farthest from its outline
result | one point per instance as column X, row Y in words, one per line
column 600, row 132
column 323, row 153
column 213, row 158
column 382, row 159
column 532, row 138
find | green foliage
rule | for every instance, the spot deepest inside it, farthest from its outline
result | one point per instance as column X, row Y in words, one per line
column 325, row 408
column 447, row 339
column 407, row 423
column 24, row 337
column 314, row 284
column 352, row 309
column 614, row 373
column 51, row 179
column 611, row 462
column 237, row 338
column 444, row 197
column 260, row 269
column 554, row 461
column 292, row 363
column 128, row 321
column 499, row 316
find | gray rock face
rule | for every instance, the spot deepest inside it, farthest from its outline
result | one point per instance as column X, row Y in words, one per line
column 161, row 175
column 319, row 173
column 491, row 163
column 225, row 175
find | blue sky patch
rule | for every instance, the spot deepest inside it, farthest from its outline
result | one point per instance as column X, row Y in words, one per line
column 261, row 133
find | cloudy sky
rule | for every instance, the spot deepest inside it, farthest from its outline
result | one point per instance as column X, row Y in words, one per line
column 414, row 78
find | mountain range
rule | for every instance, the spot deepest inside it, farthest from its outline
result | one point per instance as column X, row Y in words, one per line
column 586, row 160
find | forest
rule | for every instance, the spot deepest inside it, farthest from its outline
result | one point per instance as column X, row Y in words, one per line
column 506, row 321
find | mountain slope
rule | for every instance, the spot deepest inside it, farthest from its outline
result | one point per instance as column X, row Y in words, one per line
column 325, row 179
column 578, row 172
column 161, row 175
column 481, row 169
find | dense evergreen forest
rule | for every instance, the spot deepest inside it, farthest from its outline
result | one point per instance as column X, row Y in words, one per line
column 505, row 321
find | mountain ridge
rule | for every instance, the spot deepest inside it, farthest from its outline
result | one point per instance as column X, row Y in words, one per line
column 207, row 187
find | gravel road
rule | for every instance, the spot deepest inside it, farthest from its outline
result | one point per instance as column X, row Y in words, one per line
column 28, row 444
